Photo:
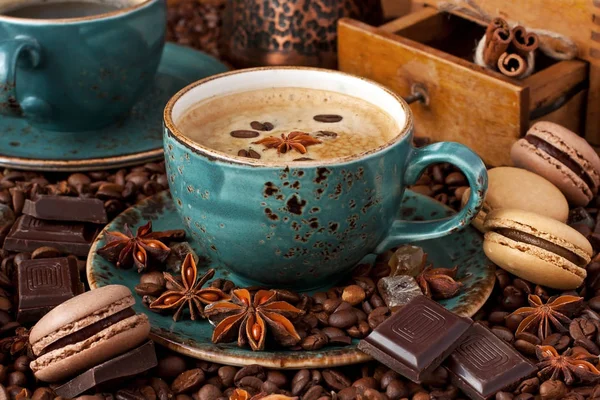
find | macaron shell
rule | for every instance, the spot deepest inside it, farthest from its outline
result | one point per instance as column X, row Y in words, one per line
column 569, row 142
column 542, row 227
column 532, row 264
column 64, row 363
column 78, row 308
column 525, row 155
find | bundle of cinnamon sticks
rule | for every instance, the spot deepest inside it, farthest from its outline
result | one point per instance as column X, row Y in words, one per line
column 507, row 50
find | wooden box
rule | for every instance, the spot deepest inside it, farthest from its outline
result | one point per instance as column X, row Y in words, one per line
column 466, row 103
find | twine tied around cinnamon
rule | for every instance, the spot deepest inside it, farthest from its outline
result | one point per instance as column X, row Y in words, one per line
column 510, row 47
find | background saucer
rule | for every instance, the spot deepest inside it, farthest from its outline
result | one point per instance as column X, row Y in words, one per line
column 135, row 140
column 463, row 249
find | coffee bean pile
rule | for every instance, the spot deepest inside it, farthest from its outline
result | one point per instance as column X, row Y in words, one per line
column 196, row 24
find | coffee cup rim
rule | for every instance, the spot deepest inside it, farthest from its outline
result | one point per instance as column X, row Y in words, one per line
column 196, row 147
column 62, row 21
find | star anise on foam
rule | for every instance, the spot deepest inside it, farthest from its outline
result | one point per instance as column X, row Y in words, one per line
column 126, row 250
column 246, row 318
column 439, row 283
column 189, row 292
column 293, row 141
column 574, row 365
column 241, row 394
column 542, row 317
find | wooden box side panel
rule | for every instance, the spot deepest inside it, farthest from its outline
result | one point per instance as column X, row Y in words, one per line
column 466, row 104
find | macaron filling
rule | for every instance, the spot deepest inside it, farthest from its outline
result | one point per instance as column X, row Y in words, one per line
column 563, row 157
column 519, row 236
column 88, row 331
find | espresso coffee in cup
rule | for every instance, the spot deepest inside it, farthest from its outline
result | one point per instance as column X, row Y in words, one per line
column 290, row 176
column 337, row 125
column 72, row 9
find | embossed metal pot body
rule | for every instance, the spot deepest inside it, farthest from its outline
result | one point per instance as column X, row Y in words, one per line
column 290, row 32
column 303, row 224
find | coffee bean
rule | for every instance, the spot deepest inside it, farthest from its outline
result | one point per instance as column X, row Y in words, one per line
column 313, row 393
column 377, row 317
column 350, row 393
column 421, row 396
column 314, row 342
column 525, row 347
column 366, row 383
column 162, row 390
column 558, row 341
column 42, row 393
column 21, row 364
column 498, row 317
column 249, row 370
column 188, row 381
column 376, row 301
column 17, row 378
column 332, row 332
column 300, row 382
column 326, row 134
column 343, row 319
column 266, row 126
column 504, row 396
column 171, row 366
column 155, row 278
column 277, row 377
column 503, row 333
column 144, row 289
column 335, row 379
column 594, row 303
column 244, row 134
column 512, row 322
column 529, row 337
column 353, row 294
column 553, row 390
column 396, row 389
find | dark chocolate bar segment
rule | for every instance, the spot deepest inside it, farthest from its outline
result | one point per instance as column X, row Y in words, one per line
column 64, row 208
column 484, row 364
column 45, row 283
column 28, row 233
column 127, row 364
column 416, row 339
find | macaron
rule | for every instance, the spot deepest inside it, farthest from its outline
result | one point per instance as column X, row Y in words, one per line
column 86, row 331
column 536, row 248
column 510, row 187
column 562, row 157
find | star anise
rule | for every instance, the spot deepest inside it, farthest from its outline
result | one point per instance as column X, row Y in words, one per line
column 126, row 250
column 439, row 283
column 294, row 140
column 574, row 365
column 241, row 394
column 246, row 318
column 189, row 292
column 541, row 317
column 17, row 344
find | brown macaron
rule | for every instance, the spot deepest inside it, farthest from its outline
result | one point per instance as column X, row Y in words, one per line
column 536, row 248
column 561, row 156
column 86, row 331
column 510, row 187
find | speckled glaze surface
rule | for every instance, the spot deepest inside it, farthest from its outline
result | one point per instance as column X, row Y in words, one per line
column 81, row 73
column 463, row 249
column 138, row 138
column 304, row 224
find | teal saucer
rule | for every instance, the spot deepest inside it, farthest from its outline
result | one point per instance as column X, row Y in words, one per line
column 136, row 139
column 462, row 249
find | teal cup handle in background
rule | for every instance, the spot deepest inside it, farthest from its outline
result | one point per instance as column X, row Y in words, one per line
column 79, row 74
column 307, row 223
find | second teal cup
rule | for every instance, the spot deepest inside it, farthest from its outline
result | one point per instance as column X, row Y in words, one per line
column 82, row 73
column 307, row 223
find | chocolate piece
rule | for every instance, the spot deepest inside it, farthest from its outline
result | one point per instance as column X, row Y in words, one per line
column 64, row 208
column 88, row 331
column 45, row 283
column 484, row 364
column 127, row 364
column 541, row 243
column 563, row 158
column 28, row 233
column 415, row 340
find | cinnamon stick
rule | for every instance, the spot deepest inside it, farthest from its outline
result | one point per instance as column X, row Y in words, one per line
column 512, row 65
column 497, row 23
column 523, row 42
column 496, row 45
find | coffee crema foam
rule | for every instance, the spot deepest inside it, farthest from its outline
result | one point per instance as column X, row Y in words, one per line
column 363, row 126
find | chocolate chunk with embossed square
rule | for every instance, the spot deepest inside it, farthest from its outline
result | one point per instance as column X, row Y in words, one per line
column 45, row 283
column 484, row 364
column 117, row 369
column 28, row 233
column 416, row 339
column 64, row 208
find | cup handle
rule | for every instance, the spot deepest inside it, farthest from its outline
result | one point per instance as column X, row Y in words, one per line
column 473, row 169
column 25, row 52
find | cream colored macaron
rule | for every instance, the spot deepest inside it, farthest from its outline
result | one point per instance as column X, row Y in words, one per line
column 520, row 189
column 537, row 248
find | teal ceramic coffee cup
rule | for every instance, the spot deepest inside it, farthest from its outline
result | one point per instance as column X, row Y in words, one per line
column 82, row 73
column 307, row 223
